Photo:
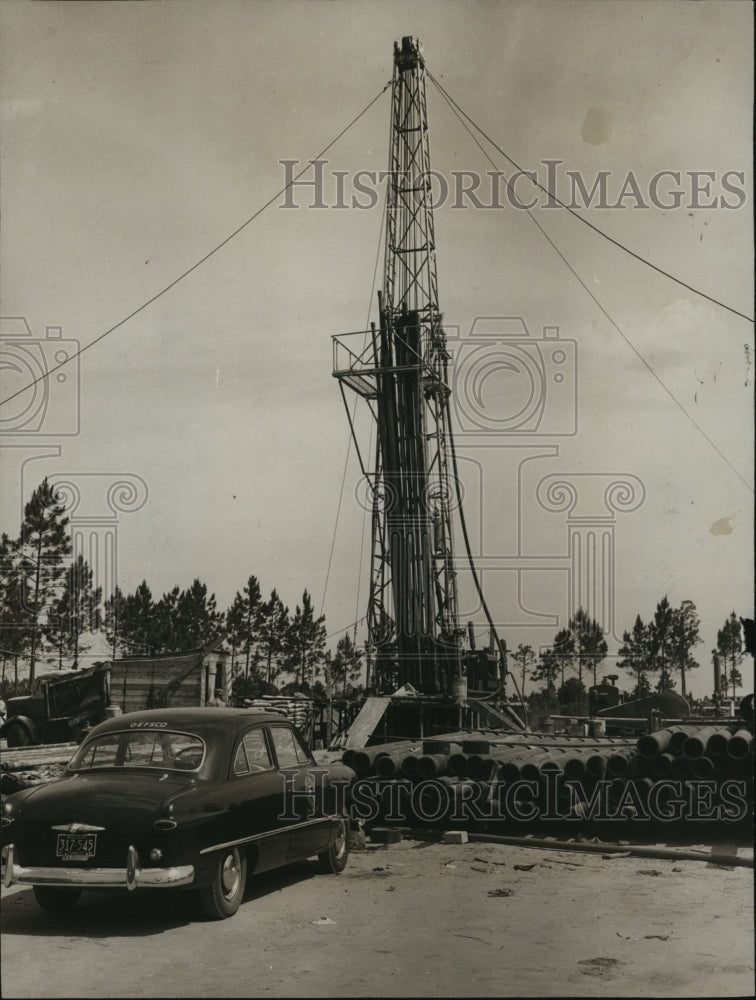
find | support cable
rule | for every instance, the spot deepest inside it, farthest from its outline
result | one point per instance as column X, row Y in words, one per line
column 613, row 322
column 202, row 260
column 529, row 174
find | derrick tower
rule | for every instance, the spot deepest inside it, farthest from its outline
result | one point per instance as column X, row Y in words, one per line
column 401, row 369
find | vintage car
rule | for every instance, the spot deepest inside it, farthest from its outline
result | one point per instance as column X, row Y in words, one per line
column 197, row 798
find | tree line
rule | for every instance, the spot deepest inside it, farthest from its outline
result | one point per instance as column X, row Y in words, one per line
column 662, row 647
column 51, row 607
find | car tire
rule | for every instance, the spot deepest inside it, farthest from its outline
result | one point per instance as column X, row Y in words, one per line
column 56, row 900
column 17, row 735
column 335, row 858
column 222, row 898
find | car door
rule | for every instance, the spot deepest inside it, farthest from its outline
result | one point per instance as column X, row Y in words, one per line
column 302, row 806
column 257, row 792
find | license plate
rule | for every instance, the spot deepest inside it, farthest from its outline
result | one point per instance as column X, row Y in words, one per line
column 76, row 848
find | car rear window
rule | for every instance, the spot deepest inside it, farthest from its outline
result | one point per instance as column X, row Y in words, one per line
column 141, row 748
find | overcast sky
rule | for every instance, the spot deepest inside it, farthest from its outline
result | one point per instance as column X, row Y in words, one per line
column 138, row 136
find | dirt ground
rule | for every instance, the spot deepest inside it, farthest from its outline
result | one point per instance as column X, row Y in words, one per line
column 417, row 918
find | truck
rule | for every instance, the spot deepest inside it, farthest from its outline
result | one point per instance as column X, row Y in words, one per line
column 60, row 708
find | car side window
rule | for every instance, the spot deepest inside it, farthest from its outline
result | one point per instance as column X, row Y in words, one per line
column 289, row 750
column 252, row 754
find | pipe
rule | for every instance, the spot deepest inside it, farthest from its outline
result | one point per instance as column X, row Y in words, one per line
column 640, row 851
column 389, row 765
column 717, row 742
column 363, row 760
column 653, row 743
column 640, row 767
column 740, row 743
column 575, row 768
column 617, row 766
column 409, row 765
column 481, row 767
column 703, row 767
column 728, row 767
column 661, row 765
column 432, row 765
column 457, row 765
column 595, row 766
column 695, row 745
column 681, row 768
column 678, row 738
column 531, row 769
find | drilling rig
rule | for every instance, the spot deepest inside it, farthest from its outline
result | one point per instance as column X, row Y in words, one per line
column 401, row 369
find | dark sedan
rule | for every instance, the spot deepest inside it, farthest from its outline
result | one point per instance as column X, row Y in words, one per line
column 197, row 798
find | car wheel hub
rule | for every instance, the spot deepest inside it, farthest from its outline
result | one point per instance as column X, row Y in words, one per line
column 230, row 877
column 340, row 843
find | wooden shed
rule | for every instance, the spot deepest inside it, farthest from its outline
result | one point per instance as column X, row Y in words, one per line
column 191, row 678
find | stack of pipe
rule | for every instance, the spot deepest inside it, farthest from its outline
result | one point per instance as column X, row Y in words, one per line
column 697, row 752
column 479, row 764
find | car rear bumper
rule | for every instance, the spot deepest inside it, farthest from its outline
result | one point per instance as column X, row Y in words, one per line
column 132, row 876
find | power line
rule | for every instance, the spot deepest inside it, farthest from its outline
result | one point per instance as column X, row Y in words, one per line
column 202, row 260
column 586, row 222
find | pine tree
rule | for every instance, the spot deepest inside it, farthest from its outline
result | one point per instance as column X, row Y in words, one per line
column 138, row 621
column 274, row 636
column 660, row 639
column 114, row 617
column 197, row 620
column 581, row 642
column 346, row 666
column 525, row 657
column 40, row 556
column 684, row 635
column 730, row 650
column 14, row 633
column 548, row 669
column 77, row 611
column 252, row 612
column 563, row 650
column 635, row 649
column 164, row 628
column 235, row 628
column 307, row 636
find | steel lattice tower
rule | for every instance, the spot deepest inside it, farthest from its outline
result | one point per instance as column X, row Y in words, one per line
column 401, row 370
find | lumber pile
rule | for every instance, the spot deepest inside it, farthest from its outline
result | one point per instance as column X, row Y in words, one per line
column 24, row 766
